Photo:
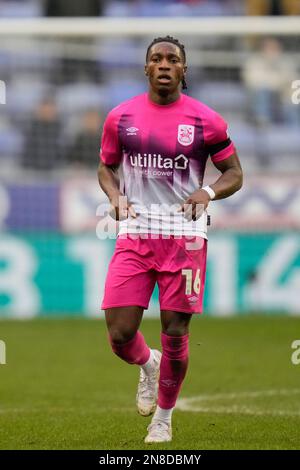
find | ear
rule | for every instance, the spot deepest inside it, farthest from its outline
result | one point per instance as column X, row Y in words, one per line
column 146, row 69
column 184, row 69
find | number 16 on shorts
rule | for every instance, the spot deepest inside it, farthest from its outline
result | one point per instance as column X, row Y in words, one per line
column 191, row 285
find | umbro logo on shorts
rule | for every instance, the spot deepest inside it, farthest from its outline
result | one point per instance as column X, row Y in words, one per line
column 193, row 299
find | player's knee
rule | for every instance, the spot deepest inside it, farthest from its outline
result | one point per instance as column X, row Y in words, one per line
column 175, row 330
column 120, row 336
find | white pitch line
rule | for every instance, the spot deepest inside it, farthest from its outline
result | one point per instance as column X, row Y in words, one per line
column 252, row 394
column 189, row 403
column 238, row 410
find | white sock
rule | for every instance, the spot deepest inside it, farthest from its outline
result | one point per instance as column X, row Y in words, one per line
column 148, row 366
column 163, row 415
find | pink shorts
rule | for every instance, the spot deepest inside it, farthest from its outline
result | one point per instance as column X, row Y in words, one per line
column 177, row 264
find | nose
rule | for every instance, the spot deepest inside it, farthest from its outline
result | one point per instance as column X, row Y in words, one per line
column 164, row 65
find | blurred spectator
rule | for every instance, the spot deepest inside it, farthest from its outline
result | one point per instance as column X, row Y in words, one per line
column 273, row 7
column 85, row 148
column 42, row 140
column 268, row 75
column 72, row 69
column 73, row 7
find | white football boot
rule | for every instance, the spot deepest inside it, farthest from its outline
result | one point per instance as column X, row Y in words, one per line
column 148, row 388
column 158, row 431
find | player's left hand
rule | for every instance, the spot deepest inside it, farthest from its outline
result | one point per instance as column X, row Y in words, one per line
column 194, row 206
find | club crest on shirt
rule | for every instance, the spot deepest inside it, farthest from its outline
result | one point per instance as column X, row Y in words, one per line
column 186, row 134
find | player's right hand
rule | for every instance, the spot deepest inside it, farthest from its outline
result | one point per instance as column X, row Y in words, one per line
column 121, row 208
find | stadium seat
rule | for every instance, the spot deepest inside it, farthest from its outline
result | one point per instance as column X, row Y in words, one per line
column 282, row 144
column 245, row 139
column 116, row 52
column 77, row 97
column 130, row 87
column 21, row 9
column 24, row 93
column 11, row 139
column 222, row 95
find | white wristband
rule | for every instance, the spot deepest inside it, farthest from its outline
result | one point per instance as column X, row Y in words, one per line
column 210, row 192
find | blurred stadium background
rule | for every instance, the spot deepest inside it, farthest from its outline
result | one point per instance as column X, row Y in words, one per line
column 60, row 76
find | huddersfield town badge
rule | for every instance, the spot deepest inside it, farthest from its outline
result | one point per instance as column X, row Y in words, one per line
column 186, row 134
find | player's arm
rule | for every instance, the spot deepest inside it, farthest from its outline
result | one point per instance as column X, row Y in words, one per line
column 109, row 180
column 224, row 157
column 110, row 159
column 231, row 179
column 109, row 183
column 228, row 183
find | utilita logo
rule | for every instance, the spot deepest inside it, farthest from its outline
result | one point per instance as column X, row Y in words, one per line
column 149, row 160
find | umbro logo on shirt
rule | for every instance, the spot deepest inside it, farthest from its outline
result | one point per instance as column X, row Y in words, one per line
column 132, row 130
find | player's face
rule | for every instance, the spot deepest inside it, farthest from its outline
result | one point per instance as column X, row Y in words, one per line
column 165, row 68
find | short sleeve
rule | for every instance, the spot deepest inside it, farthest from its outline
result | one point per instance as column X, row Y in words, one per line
column 111, row 150
column 218, row 142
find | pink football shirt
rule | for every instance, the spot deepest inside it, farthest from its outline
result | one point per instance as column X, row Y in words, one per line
column 162, row 151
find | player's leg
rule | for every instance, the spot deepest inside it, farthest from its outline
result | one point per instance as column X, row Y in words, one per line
column 181, row 286
column 129, row 344
column 128, row 288
column 173, row 367
column 174, row 364
column 122, row 325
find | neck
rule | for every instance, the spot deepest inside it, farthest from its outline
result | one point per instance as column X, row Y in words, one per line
column 163, row 98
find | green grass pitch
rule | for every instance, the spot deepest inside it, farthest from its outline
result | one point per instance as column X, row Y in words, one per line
column 62, row 388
